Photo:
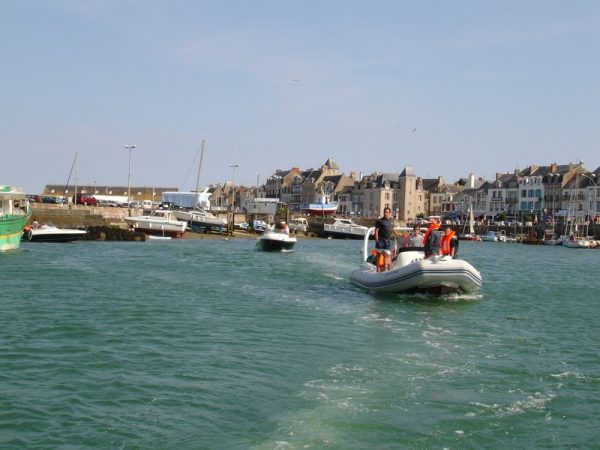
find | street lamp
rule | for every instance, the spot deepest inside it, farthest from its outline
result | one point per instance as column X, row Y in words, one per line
column 233, row 167
column 129, row 147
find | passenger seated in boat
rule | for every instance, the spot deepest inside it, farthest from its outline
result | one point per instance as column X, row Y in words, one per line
column 449, row 243
column 415, row 239
column 283, row 228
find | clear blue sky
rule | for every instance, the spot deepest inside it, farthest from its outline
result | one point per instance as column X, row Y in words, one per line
column 488, row 86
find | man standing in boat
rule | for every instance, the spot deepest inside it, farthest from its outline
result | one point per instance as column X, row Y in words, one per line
column 384, row 232
column 432, row 238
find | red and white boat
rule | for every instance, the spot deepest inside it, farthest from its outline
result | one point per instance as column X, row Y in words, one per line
column 322, row 207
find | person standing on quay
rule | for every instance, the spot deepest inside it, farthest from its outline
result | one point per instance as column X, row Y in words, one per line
column 384, row 231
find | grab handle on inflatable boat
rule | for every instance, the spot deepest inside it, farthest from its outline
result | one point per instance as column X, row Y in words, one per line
column 365, row 255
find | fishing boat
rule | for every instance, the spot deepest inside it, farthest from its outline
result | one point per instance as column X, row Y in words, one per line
column 14, row 214
column 411, row 272
column 49, row 232
column 275, row 240
column 470, row 236
column 323, row 205
column 345, row 229
column 161, row 222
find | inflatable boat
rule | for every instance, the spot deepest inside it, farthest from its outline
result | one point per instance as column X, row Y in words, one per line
column 411, row 272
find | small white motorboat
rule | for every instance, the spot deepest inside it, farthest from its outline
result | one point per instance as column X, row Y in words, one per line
column 490, row 236
column 160, row 223
column 345, row 229
column 48, row 232
column 275, row 240
column 410, row 272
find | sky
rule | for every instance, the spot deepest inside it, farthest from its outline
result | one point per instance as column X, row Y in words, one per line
column 446, row 87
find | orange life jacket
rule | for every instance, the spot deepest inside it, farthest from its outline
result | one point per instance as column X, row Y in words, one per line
column 380, row 261
column 433, row 226
column 445, row 244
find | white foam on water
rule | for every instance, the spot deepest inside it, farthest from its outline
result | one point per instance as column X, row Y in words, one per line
column 569, row 374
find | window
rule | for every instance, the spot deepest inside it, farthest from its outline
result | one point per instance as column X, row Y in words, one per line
column 523, row 193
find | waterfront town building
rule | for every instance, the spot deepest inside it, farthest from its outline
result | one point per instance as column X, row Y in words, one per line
column 541, row 192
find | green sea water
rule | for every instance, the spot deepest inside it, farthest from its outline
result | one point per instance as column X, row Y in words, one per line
column 203, row 344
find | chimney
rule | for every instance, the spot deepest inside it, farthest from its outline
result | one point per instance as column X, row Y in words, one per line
column 295, row 170
column 553, row 168
column 471, row 180
column 498, row 176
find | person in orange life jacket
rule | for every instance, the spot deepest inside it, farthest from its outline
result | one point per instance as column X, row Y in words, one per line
column 384, row 230
column 449, row 243
column 431, row 239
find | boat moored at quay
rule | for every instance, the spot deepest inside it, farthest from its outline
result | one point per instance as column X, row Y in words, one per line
column 345, row 229
column 160, row 223
column 49, row 232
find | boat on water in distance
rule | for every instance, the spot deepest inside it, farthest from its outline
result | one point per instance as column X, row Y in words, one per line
column 14, row 215
column 276, row 240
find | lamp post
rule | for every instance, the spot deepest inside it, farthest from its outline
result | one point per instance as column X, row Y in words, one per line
column 129, row 148
column 233, row 167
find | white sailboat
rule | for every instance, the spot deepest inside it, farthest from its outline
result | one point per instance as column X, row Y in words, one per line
column 470, row 236
column 198, row 219
column 573, row 237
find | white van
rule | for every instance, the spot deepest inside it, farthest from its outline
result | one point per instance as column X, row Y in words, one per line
column 298, row 224
column 147, row 204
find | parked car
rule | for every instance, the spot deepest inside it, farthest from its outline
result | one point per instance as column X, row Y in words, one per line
column 108, row 203
column 85, row 199
column 34, row 198
column 49, row 199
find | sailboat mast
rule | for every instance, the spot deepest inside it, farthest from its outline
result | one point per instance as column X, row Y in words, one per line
column 200, row 167
column 71, row 173
column 76, row 173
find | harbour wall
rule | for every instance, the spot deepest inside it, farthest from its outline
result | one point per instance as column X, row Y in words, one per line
column 79, row 216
